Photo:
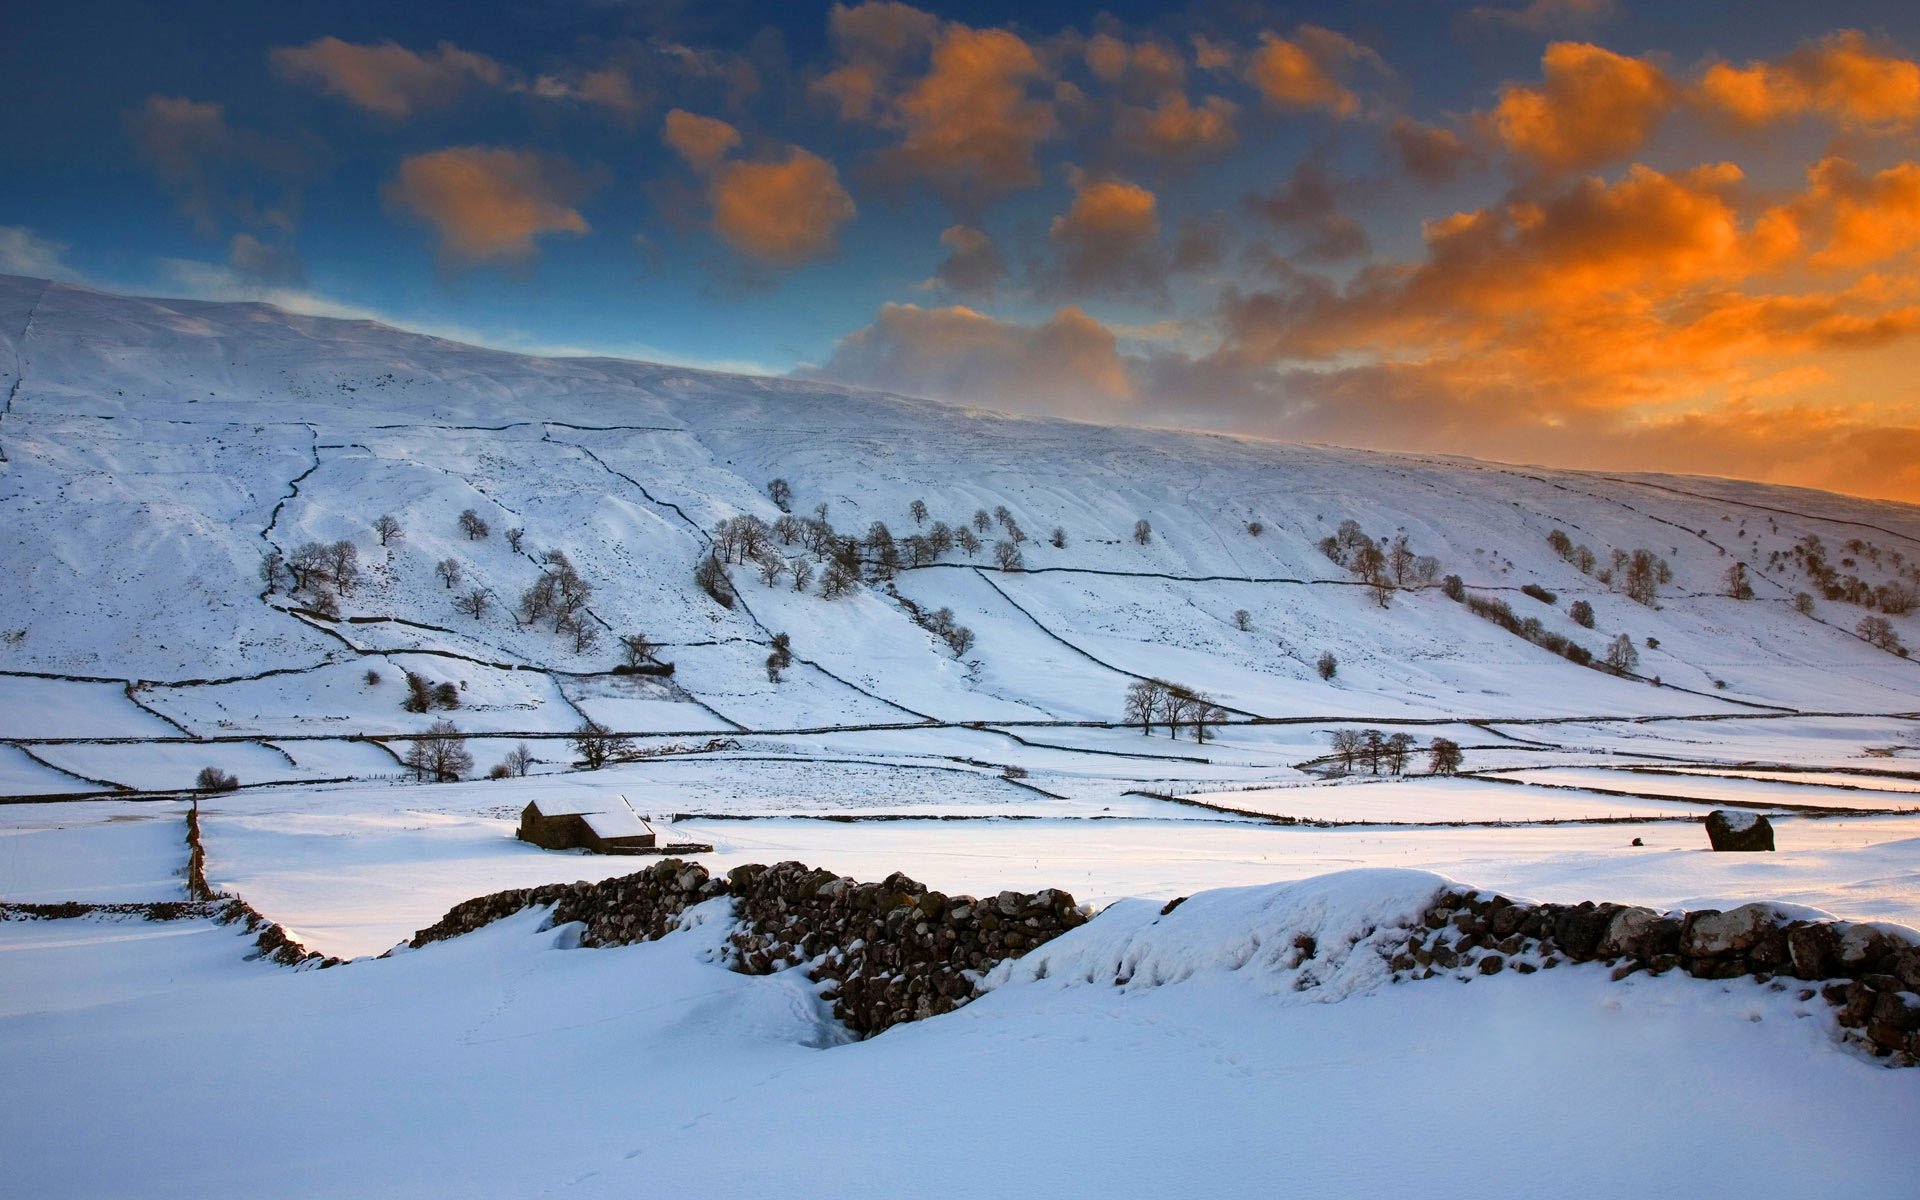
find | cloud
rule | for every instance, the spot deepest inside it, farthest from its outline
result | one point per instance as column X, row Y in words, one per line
column 1068, row 365
column 1592, row 106
column 701, row 141
column 1859, row 218
column 218, row 173
column 973, row 264
column 782, row 213
column 1309, row 202
column 1304, row 72
column 1540, row 16
column 1141, row 70
column 968, row 120
column 1109, row 238
column 387, row 78
column 265, row 263
column 1173, row 128
column 24, row 252
column 488, row 204
column 1430, row 153
column 1843, row 77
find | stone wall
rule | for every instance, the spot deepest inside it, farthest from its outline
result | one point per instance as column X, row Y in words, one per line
column 1870, row 973
column 888, row 952
column 272, row 940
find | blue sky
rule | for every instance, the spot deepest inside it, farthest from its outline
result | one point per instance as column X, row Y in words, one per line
column 1166, row 216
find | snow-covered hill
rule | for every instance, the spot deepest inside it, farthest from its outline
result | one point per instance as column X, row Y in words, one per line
column 157, row 450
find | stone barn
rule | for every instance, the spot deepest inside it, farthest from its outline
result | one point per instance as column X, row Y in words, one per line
column 604, row 826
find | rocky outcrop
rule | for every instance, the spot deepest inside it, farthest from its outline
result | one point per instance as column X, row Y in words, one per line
column 887, row 952
column 1869, row 973
column 1733, row 829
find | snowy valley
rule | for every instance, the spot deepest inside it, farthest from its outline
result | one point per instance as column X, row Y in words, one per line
column 592, row 559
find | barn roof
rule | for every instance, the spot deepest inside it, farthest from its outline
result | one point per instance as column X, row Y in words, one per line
column 607, row 816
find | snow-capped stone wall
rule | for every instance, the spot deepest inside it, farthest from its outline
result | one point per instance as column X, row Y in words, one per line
column 1870, row 972
column 889, row 952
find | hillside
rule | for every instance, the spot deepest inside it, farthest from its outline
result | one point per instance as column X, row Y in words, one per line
column 158, row 450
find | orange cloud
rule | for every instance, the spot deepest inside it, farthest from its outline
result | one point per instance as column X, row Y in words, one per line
column 701, row 141
column 1430, row 153
column 1143, row 70
column 489, row 204
column 782, row 213
column 969, row 118
column 387, row 78
column 1069, row 364
column 1842, row 77
column 1174, row 128
column 973, row 263
column 1303, row 72
column 1862, row 218
column 1592, row 106
column 1109, row 236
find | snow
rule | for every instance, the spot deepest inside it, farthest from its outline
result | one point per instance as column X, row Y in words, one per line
column 1716, row 790
column 505, row 1064
column 1435, row 801
column 98, row 852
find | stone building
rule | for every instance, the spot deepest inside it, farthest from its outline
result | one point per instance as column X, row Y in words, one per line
column 604, row 825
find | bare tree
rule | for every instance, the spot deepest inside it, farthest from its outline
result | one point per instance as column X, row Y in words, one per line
column 1736, row 584
column 838, row 579
column 473, row 603
column 780, row 658
column 637, row 647
column 1008, row 556
column 1582, row 613
column 387, row 529
column 802, row 574
column 1373, row 749
column 918, row 511
column 1328, row 665
column 1395, row 752
column 959, row 640
column 519, row 760
column 514, row 538
column 1142, row 532
column 781, row 493
column 1879, row 633
column 446, row 695
column 581, row 632
column 473, row 526
column 324, row 603
column 1203, row 714
column 213, row 779
column 1443, row 756
column 439, row 755
column 1143, row 702
column 449, row 572
column 1621, row 657
column 1242, row 620
column 1346, row 747
column 787, row 528
column 1400, row 560
column 981, row 521
column 967, row 540
column 343, row 566
column 597, row 745
column 1255, row 529
column 419, row 693
column 940, row 537
column 1058, row 538
column 273, row 571
column 882, row 552
column 919, row 550
column 711, row 577
column 309, row 565
column 772, row 566
column 1803, row 603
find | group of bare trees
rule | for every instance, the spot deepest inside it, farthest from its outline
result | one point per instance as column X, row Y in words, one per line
column 424, row 695
column 1151, row 702
column 561, row 595
column 598, row 745
column 1879, row 633
column 1382, row 568
column 1377, row 752
column 940, row 623
column 1842, row 584
column 321, row 572
column 1639, row 573
column 780, row 657
column 439, row 755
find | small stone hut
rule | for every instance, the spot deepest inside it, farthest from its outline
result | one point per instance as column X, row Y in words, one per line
column 606, row 825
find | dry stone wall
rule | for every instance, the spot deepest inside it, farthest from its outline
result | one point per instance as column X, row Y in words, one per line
column 1870, row 973
column 887, row 952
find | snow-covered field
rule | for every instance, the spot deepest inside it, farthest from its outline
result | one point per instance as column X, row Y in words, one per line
column 156, row 451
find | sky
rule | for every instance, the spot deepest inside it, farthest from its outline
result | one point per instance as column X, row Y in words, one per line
column 1609, row 234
